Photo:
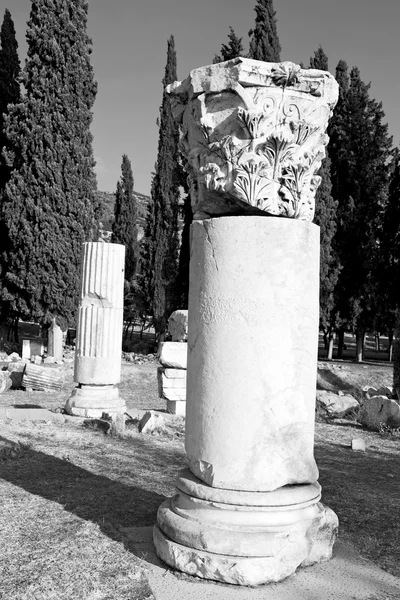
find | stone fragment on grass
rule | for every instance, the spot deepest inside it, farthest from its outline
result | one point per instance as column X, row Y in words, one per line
column 42, row 378
column 16, row 371
column 150, row 422
column 335, row 406
column 379, row 411
column 5, row 381
column 358, row 445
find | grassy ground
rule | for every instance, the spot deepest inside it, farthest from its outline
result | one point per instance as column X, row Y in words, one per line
column 69, row 491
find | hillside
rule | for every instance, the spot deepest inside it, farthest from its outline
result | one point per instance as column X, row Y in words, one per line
column 107, row 202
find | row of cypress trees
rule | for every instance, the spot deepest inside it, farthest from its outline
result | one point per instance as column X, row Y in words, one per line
column 357, row 203
column 47, row 179
column 48, row 187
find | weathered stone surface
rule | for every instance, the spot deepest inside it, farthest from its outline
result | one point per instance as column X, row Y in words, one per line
column 37, row 359
column 5, row 381
column 94, row 400
column 335, row 405
column 178, row 325
column 177, row 407
column 26, row 349
column 358, row 445
column 260, row 390
column 55, row 342
column 16, row 370
column 173, row 355
column 240, row 559
column 42, row 378
column 150, row 422
column 49, row 360
column 100, row 315
column 253, row 134
column 379, row 410
column 30, row 414
column 172, row 385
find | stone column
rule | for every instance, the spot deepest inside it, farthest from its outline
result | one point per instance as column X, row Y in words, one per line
column 99, row 332
column 55, row 342
column 248, row 511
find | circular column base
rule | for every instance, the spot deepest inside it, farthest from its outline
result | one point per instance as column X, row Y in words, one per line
column 215, row 535
column 94, row 400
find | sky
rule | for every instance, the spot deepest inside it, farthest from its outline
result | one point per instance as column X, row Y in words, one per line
column 129, row 55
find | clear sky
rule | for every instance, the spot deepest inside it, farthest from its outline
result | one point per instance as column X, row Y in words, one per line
column 129, row 55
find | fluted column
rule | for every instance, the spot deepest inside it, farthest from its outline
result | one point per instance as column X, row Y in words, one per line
column 99, row 331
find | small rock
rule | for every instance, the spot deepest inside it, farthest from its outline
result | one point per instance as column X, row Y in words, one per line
column 14, row 356
column 150, row 422
column 49, row 360
column 334, row 405
column 378, row 411
column 358, row 445
column 37, row 359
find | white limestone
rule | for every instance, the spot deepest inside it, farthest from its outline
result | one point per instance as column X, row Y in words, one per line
column 55, row 343
column 173, row 355
column 259, row 277
column 99, row 331
column 178, row 325
column 253, row 134
column 177, row 407
column 378, row 411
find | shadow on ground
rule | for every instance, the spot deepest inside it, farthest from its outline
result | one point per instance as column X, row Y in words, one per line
column 110, row 503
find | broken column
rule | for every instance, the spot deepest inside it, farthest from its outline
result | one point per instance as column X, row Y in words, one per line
column 248, row 511
column 55, row 342
column 99, row 332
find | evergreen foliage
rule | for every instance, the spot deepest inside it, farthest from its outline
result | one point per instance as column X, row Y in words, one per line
column 48, row 204
column 325, row 217
column 232, row 49
column 360, row 153
column 9, row 83
column 159, row 263
column 125, row 230
column 264, row 41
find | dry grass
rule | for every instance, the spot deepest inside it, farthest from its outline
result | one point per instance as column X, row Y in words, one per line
column 65, row 501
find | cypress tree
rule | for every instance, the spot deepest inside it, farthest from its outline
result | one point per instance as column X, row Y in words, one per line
column 48, row 204
column 124, row 230
column 232, row 49
column 9, row 83
column 264, row 41
column 160, row 250
column 360, row 153
column 325, row 217
column 388, row 312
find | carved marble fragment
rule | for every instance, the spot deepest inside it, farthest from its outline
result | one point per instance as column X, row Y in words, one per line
column 253, row 135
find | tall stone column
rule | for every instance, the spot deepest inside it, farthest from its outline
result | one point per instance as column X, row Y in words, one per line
column 99, row 332
column 248, row 511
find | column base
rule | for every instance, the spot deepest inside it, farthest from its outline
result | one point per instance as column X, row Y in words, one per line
column 94, row 400
column 243, row 538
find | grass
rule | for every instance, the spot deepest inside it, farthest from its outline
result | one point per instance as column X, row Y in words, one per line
column 69, row 492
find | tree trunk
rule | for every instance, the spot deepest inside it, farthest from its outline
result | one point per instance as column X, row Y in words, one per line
column 377, row 341
column 340, row 343
column 326, row 338
column 331, row 339
column 360, row 338
column 390, row 336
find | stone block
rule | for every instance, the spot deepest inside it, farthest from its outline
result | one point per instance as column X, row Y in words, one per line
column 176, row 407
column 335, row 406
column 378, row 411
column 178, row 325
column 5, row 381
column 94, row 400
column 26, row 348
column 173, row 355
column 358, row 445
column 150, row 422
column 16, row 371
